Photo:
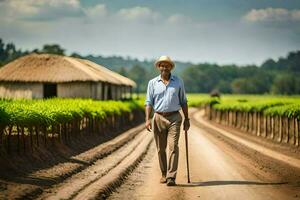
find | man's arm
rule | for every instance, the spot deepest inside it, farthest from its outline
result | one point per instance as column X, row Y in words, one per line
column 185, row 111
column 184, row 106
column 186, row 122
column 148, row 110
column 148, row 106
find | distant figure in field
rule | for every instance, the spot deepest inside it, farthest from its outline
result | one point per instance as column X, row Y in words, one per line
column 166, row 96
column 215, row 93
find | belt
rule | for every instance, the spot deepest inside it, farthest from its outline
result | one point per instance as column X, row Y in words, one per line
column 167, row 113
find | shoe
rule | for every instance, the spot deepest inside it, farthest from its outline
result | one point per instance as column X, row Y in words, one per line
column 163, row 179
column 171, row 182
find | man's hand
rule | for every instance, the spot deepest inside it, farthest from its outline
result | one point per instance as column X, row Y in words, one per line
column 186, row 124
column 148, row 125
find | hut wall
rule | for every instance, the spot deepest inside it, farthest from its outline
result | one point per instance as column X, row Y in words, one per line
column 93, row 90
column 21, row 90
column 99, row 91
column 122, row 91
column 110, row 92
column 105, row 94
column 114, row 92
column 76, row 90
column 117, row 92
column 119, row 89
column 126, row 92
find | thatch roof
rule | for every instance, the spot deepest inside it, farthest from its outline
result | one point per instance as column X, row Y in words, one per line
column 58, row 69
column 112, row 75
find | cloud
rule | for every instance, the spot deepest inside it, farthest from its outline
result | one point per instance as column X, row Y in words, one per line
column 53, row 10
column 139, row 14
column 179, row 19
column 272, row 15
column 143, row 32
column 96, row 12
column 39, row 10
column 295, row 15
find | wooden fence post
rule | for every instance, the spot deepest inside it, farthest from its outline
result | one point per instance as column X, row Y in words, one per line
column 280, row 129
column 297, row 132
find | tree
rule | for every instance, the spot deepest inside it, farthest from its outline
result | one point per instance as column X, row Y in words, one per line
column 269, row 64
column 2, row 51
column 284, row 84
column 137, row 73
column 279, row 76
column 297, row 84
column 192, row 79
column 123, row 71
column 53, row 49
column 8, row 52
column 262, row 82
column 243, row 86
column 76, row 55
column 293, row 59
column 223, row 86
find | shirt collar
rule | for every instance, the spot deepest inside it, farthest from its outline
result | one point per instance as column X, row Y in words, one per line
column 160, row 79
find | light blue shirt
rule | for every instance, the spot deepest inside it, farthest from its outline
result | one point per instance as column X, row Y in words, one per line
column 166, row 98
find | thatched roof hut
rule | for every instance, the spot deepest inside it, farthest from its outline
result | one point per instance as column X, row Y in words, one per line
column 46, row 75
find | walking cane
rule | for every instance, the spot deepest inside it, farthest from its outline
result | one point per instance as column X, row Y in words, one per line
column 187, row 156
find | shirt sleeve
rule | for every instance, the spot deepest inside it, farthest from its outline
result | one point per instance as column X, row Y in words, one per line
column 182, row 95
column 149, row 97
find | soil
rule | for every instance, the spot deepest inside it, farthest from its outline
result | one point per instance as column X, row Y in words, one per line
column 28, row 174
column 220, row 168
column 223, row 165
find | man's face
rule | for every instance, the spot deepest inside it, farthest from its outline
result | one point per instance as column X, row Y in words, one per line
column 165, row 68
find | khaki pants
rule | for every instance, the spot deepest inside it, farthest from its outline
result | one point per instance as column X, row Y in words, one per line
column 166, row 131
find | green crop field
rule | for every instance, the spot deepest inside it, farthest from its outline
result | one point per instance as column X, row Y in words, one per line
column 273, row 117
column 267, row 104
column 54, row 111
column 25, row 124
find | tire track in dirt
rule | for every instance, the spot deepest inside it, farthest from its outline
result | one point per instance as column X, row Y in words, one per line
column 102, row 187
column 263, row 150
column 264, row 166
column 77, row 183
column 59, row 173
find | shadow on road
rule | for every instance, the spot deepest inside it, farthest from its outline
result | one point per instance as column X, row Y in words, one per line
column 215, row 183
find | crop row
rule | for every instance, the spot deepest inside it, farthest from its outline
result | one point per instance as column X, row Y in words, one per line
column 29, row 123
column 276, row 118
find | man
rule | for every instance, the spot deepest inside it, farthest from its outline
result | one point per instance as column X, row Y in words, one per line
column 166, row 96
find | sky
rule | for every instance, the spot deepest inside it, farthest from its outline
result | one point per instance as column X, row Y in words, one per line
column 216, row 31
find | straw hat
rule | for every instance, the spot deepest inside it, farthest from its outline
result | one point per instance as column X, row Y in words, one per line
column 164, row 59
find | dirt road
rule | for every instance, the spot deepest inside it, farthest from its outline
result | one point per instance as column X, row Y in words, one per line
column 224, row 164
column 220, row 168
